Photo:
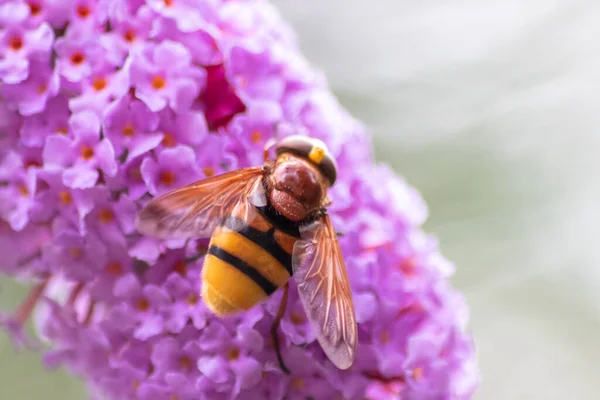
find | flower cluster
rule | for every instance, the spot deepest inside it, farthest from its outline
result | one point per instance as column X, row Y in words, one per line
column 105, row 104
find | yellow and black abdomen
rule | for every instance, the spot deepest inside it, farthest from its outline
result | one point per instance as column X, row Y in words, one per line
column 248, row 259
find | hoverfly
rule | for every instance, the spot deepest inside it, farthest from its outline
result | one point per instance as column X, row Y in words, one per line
column 267, row 224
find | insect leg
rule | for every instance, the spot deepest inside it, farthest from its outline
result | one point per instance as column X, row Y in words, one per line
column 275, row 325
column 202, row 249
column 195, row 257
column 270, row 143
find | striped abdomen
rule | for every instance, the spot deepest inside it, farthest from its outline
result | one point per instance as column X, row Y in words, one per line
column 249, row 258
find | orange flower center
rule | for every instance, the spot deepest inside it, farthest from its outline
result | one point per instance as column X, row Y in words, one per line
column 135, row 174
column 233, row 353
column 169, row 3
column 15, row 43
column 297, row 318
column 77, row 58
column 158, row 82
column 408, row 266
column 75, row 252
column 384, row 337
column 41, row 89
column 87, row 153
column 114, row 268
column 65, row 197
column 168, row 140
column 208, row 171
column 23, row 190
column 129, row 35
column 417, row 373
column 142, row 304
column 180, row 267
column 31, row 163
column 256, row 137
column 83, row 11
column 128, row 130
column 106, row 216
column 62, row 131
column 413, row 308
column 35, row 8
column 167, row 178
column 99, row 83
column 185, row 363
column 298, row 384
column 390, row 388
column 192, row 299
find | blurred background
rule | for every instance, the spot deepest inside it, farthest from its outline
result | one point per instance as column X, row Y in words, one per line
column 491, row 109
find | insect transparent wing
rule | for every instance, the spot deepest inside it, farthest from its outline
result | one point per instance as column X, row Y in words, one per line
column 325, row 291
column 196, row 210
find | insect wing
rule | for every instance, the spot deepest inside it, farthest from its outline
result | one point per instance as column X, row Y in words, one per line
column 325, row 291
column 197, row 209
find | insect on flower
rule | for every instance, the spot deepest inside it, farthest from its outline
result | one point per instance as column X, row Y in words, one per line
column 267, row 224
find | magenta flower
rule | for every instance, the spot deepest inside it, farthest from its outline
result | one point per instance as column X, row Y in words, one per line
column 105, row 104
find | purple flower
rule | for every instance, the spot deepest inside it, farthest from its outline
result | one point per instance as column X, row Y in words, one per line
column 255, row 73
column 188, row 128
column 174, row 167
column 252, row 130
column 117, row 263
column 186, row 306
column 188, row 14
column 162, row 74
column 81, row 255
column 130, row 34
column 201, row 42
column 37, row 12
column 107, row 104
column 215, row 155
column 29, row 241
column 297, row 327
column 82, row 157
column 17, row 197
column 30, row 96
column 136, row 311
column 53, row 120
column 88, row 14
column 78, row 53
column 58, row 199
column 229, row 359
column 311, row 382
column 10, row 124
column 104, row 85
column 20, row 46
column 177, row 356
column 111, row 218
column 129, row 125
